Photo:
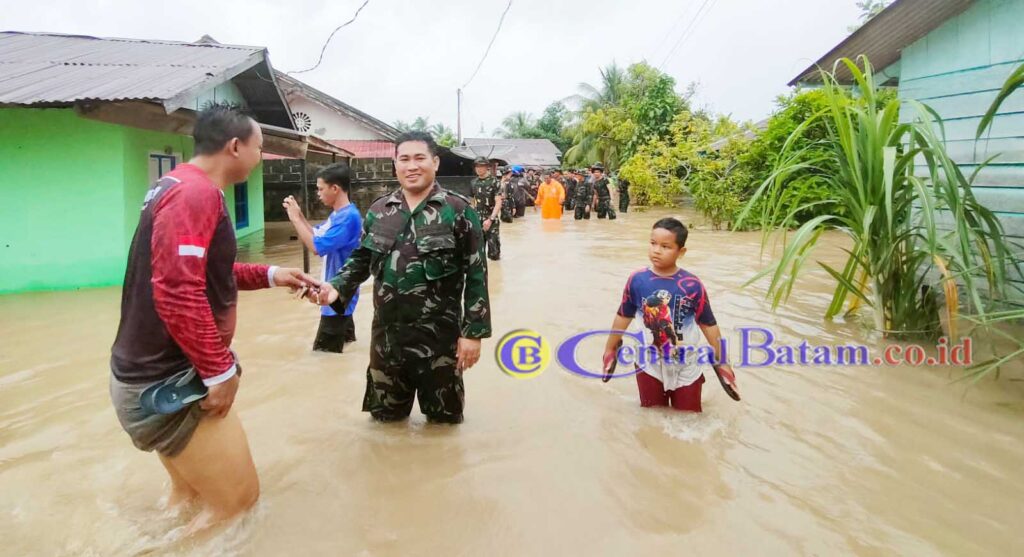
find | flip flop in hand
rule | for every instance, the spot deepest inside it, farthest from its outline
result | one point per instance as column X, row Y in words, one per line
column 728, row 380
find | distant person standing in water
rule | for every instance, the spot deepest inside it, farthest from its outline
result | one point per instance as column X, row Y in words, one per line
column 333, row 240
column 623, row 187
column 602, row 193
column 550, row 196
column 178, row 315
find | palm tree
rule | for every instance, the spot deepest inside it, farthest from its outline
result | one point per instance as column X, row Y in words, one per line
column 608, row 93
column 442, row 134
column 587, row 145
column 517, row 125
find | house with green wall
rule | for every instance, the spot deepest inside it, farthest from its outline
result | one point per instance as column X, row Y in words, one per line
column 87, row 124
column 954, row 56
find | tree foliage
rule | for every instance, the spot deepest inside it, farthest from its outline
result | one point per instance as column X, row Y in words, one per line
column 441, row 133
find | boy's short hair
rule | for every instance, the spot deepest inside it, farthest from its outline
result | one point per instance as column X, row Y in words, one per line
column 219, row 123
column 338, row 174
column 674, row 226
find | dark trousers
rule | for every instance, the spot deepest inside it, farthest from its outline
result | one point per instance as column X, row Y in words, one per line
column 492, row 239
column 334, row 332
column 582, row 212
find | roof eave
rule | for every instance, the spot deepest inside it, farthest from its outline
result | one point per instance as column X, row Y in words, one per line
column 914, row 18
column 182, row 98
column 389, row 132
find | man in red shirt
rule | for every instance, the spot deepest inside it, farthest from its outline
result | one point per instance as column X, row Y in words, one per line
column 178, row 313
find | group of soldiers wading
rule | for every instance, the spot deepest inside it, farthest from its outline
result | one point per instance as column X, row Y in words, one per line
column 505, row 198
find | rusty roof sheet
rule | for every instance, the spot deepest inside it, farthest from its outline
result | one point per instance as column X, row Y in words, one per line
column 883, row 38
column 40, row 69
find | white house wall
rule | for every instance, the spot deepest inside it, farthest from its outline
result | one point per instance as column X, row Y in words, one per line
column 330, row 124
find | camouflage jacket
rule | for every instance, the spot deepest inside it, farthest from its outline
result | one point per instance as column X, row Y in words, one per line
column 486, row 192
column 601, row 187
column 570, row 187
column 430, row 274
column 585, row 192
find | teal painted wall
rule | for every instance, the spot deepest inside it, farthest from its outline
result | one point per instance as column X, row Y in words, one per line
column 61, row 201
column 957, row 69
column 225, row 92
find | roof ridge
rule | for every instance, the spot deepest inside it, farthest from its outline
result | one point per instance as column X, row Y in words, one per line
column 130, row 40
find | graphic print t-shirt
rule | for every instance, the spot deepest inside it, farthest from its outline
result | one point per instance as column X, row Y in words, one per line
column 670, row 311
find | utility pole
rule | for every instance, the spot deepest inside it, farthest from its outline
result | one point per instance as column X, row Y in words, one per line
column 458, row 118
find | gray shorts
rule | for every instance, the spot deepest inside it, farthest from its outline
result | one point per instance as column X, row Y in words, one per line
column 166, row 434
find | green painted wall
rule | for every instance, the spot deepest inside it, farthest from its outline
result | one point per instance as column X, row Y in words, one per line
column 138, row 145
column 256, row 222
column 957, row 70
column 71, row 191
column 61, row 201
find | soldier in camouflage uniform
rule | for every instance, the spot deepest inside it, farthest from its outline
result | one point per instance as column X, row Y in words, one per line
column 489, row 204
column 569, row 183
column 424, row 247
column 623, row 186
column 584, row 199
column 602, row 189
column 508, row 206
column 519, row 187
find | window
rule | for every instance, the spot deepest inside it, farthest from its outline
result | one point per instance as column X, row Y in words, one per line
column 241, row 205
column 160, row 164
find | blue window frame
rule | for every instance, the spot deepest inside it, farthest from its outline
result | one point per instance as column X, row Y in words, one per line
column 160, row 165
column 241, row 205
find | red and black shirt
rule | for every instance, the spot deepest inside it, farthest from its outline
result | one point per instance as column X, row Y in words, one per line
column 181, row 285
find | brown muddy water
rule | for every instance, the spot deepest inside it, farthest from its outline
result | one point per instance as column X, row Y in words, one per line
column 814, row 461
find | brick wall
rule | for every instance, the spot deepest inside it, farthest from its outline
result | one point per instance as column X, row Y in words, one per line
column 373, row 178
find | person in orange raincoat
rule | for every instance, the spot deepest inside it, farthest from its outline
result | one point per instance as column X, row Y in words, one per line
column 550, row 197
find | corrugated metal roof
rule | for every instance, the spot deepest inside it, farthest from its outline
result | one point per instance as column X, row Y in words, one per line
column 883, row 38
column 40, row 68
column 527, row 152
column 367, row 148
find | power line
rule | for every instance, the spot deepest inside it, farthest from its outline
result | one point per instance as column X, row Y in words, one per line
column 686, row 33
column 328, row 41
column 668, row 32
column 486, row 52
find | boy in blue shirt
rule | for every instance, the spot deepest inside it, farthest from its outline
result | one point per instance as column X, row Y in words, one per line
column 334, row 240
column 675, row 311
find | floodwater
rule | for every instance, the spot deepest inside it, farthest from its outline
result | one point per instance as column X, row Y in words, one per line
column 814, row 461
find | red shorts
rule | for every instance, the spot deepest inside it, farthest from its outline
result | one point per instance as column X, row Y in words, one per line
column 653, row 393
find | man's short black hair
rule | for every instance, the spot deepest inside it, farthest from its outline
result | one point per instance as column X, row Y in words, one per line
column 675, row 227
column 219, row 123
column 338, row 174
column 417, row 136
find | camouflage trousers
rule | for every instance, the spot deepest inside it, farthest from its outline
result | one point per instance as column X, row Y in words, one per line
column 582, row 212
column 493, row 239
column 393, row 380
column 604, row 208
column 623, row 202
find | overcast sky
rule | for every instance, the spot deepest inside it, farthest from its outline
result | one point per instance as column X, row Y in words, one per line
column 406, row 58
